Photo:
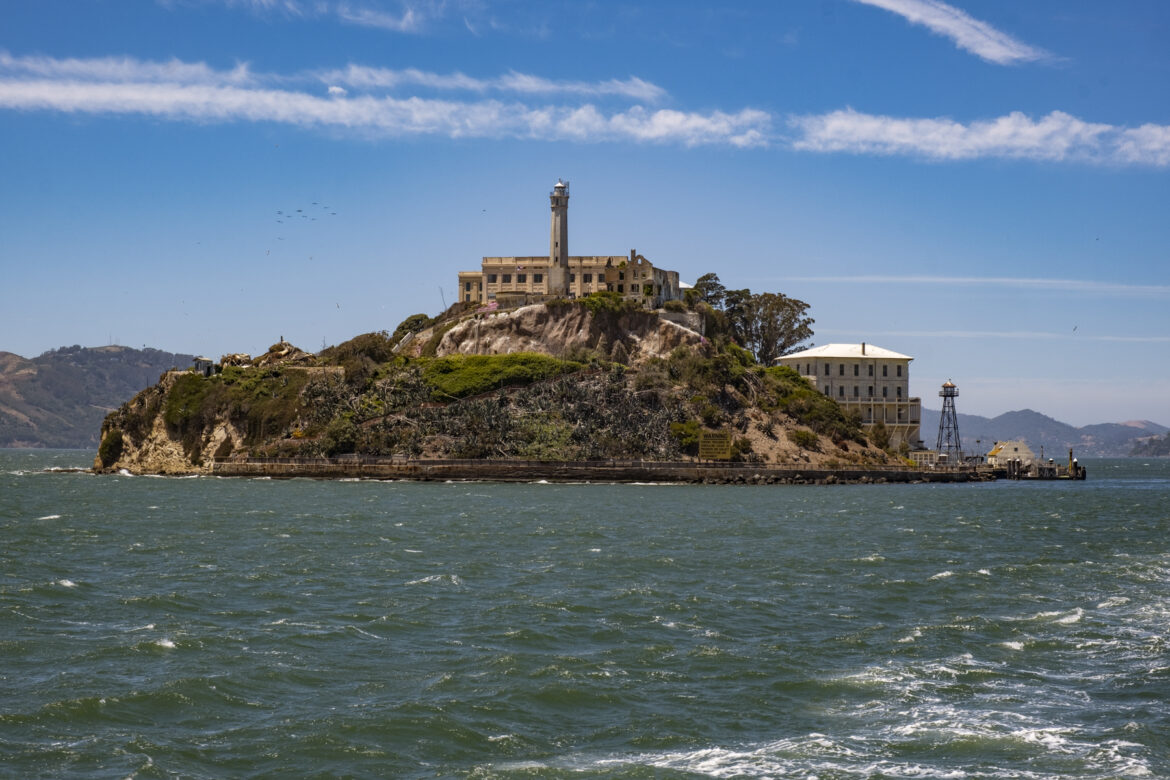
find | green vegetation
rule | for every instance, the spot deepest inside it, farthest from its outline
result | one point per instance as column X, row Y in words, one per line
column 411, row 324
column 458, row 376
column 111, row 448
column 806, row 440
column 767, row 324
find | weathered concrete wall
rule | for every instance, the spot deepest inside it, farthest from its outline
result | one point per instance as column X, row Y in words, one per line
column 580, row 471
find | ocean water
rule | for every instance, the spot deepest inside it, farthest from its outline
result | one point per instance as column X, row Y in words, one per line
column 199, row 627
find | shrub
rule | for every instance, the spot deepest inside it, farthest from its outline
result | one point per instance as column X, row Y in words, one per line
column 675, row 306
column 411, row 324
column 111, row 448
column 806, row 440
column 458, row 376
column 687, row 436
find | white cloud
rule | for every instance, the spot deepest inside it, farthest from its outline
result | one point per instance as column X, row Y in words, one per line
column 408, row 21
column 123, row 69
column 979, row 38
column 1055, row 137
column 364, row 77
column 196, row 92
column 1058, row 285
column 1027, row 335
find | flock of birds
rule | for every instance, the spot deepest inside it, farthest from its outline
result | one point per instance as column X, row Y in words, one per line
column 291, row 217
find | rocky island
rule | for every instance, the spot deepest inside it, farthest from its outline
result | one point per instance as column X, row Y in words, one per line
column 595, row 380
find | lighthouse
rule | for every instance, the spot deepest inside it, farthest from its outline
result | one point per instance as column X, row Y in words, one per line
column 558, row 242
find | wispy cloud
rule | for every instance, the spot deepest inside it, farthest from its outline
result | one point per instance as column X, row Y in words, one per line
column 1057, row 285
column 195, row 92
column 1055, row 137
column 977, row 37
column 365, row 77
column 121, row 69
column 1026, row 335
column 408, row 20
column 404, row 16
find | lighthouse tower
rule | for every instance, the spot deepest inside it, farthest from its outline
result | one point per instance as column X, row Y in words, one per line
column 558, row 243
column 948, row 425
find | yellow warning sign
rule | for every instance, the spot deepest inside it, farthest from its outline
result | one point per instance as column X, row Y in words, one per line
column 715, row 445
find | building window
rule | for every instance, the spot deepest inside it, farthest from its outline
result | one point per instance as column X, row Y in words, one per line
column 899, row 392
column 899, row 371
column 885, row 392
column 467, row 296
column 538, row 278
column 491, row 278
column 856, row 369
column 841, row 391
column 521, row 278
column 841, row 370
column 856, row 391
column 467, row 287
column 871, row 372
column 870, row 394
column 885, row 370
column 587, row 278
column 622, row 275
column 826, row 389
column 507, row 279
column 621, row 288
column 572, row 278
column 827, row 369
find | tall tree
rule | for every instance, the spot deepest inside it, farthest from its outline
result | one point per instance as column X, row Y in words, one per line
column 776, row 325
column 710, row 291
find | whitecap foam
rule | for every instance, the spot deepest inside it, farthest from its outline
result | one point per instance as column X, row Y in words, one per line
column 942, row 575
column 50, row 517
column 64, row 583
column 165, row 643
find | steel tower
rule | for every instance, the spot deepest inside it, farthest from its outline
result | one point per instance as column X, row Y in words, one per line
column 949, row 443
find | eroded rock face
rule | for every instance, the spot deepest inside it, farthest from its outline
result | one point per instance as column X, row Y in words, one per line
column 561, row 330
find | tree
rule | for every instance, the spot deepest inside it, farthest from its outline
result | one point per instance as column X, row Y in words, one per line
column 776, row 325
column 737, row 305
column 710, row 291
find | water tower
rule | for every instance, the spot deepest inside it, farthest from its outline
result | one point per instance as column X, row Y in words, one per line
column 948, row 425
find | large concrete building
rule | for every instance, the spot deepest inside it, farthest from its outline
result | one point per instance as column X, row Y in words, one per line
column 515, row 280
column 869, row 380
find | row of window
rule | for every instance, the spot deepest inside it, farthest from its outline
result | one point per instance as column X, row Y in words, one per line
column 857, row 392
column 507, row 279
column 809, row 369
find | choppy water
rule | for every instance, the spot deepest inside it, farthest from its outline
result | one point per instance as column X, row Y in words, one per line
column 155, row 627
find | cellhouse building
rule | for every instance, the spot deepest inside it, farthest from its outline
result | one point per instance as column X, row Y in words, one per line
column 516, row 280
column 869, row 380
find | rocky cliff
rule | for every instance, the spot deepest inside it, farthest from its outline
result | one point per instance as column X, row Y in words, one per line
column 561, row 330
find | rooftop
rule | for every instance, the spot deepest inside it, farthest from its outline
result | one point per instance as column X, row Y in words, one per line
column 862, row 350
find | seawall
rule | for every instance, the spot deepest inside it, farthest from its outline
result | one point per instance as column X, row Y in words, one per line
column 575, row 471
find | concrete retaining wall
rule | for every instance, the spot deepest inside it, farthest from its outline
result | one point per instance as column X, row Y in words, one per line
column 576, row 471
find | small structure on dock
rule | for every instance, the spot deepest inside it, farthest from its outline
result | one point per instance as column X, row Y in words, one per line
column 1041, row 469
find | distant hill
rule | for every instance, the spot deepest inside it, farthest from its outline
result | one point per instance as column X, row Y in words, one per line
column 60, row 398
column 1154, row 446
column 1039, row 430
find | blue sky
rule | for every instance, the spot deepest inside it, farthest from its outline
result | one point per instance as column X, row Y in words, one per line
column 983, row 186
